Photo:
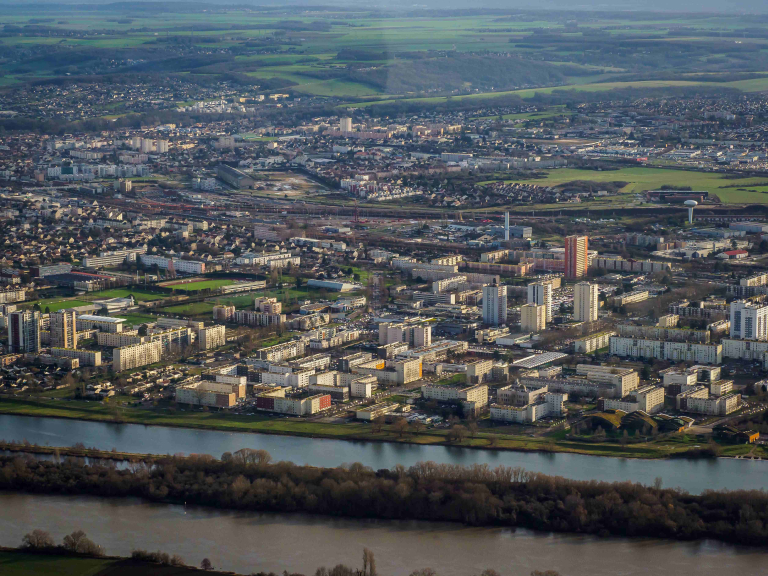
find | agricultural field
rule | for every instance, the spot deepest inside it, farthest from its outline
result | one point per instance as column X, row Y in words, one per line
column 728, row 189
column 348, row 54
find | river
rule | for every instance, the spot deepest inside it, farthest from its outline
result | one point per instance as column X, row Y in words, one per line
column 248, row 542
column 693, row 475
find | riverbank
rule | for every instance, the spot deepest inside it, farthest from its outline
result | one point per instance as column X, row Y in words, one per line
column 488, row 438
column 24, row 562
column 76, row 451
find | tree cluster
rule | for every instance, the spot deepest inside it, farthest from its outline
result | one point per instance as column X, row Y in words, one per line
column 477, row 495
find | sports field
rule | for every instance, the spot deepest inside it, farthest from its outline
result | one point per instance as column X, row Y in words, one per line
column 138, row 295
column 198, row 285
column 191, row 309
column 55, row 304
column 728, row 189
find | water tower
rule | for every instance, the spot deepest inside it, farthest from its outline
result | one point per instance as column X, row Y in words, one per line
column 691, row 204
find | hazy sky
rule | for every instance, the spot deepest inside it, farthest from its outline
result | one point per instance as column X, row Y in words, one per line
column 726, row 6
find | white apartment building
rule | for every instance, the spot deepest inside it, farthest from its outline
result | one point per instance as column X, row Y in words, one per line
column 415, row 335
column 118, row 339
column 744, row 349
column 100, row 323
column 588, row 344
column 585, row 302
column 179, row 323
column 136, row 355
column 749, row 321
column 183, row 266
column 662, row 350
column 541, row 293
column 211, row 337
column 297, row 379
column 205, row 393
column 363, row 387
column 649, row 399
column 551, row 404
column 449, row 284
column 477, row 393
column 533, row 318
column 495, row 305
column 86, row 357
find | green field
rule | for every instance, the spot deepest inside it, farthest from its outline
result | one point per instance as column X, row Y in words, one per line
column 20, row 564
column 200, row 285
column 730, row 190
column 138, row 294
column 137, row 319
column 55, row 304
column 191, row 309
column 352, row 54
column 241, row 301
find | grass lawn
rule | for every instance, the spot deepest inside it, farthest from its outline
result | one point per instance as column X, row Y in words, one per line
column 453, row 380
column 201, row 285
column 57, row 304
column 138, row 295
column 747, row 190
column 137, row 319
column 240, row 302
column 191, row 309
column 21, row 564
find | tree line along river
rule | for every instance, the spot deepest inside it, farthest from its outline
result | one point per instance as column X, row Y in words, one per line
column 250, row 542
column 692, row 475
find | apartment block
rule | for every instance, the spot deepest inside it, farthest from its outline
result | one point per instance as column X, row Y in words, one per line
column 85, row 357
column 649, row 399
column 576, row 257
column 63, row 329
column 100, row 323
column 662, row 350
column 205, row 394
column 588, row 344
column 749, row 321
column 585, row 302
column 211, row 337
column 533, row 318
column 136, row 355
column 550, row 404
column 541, row 293
column 479, row 371
column 495, row 305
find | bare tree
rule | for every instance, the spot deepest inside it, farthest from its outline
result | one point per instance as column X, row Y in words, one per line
column 206, row 564
column 369, row 563
column 37, row 539
column 424, row 572
column 458, row 433
column 401, row 426
column 377, row 424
